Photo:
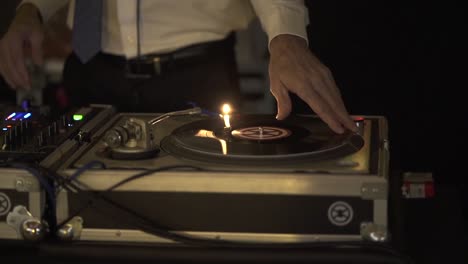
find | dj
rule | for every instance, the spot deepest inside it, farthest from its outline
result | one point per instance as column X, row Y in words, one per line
column 157, row 55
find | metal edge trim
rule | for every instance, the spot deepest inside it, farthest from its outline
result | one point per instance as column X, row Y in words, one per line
column 62, row 206
column 384, row 153
column 36, row 203
column 380, row 212
column 7, row 232
column 140, row 236
column 230, row 182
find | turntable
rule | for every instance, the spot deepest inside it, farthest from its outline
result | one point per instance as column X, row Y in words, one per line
column 248, row 178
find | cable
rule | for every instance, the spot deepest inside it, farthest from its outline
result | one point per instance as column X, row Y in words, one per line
column 139, row 222
column 132, row 178
column 86, row 167
column 203, row 111
column 190, row 111
column 149, row 226
column 60, row 181
column 43, row 182
column 148, row 172
column 49, row 213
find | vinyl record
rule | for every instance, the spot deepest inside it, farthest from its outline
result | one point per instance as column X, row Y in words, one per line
column 260, row 138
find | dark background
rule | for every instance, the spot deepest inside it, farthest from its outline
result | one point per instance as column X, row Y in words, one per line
column 400, row 59
column 386, row 59
column 405, row 60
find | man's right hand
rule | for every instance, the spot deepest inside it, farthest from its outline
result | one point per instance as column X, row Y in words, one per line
column 23, row 39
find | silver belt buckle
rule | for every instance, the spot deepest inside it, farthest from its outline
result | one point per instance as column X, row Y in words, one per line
column 157, row 65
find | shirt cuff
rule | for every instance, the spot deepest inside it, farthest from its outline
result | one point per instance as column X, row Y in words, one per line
column 283, row 20
column 47, row 8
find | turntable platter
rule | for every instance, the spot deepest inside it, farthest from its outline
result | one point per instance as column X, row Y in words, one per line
column 257, row 138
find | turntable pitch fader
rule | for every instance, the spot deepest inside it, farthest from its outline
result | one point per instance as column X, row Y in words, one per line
column 254, row 179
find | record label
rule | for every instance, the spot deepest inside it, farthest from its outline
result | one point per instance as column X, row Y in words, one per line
column 261, row 133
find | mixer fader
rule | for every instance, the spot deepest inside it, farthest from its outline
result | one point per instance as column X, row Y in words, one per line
column 32, row 134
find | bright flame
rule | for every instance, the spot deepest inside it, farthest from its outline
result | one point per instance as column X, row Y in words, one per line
column 226, row 110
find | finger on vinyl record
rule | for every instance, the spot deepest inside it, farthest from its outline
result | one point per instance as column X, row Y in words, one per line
column 283, row 101
column 321, row 108
column 347, row 120
column 324, row 90
column 332, row 95
column 36, row 48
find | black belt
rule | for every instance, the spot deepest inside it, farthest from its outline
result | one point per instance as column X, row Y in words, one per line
column 151, row 65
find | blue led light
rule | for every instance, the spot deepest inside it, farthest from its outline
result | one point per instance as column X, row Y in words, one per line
column 10, row 116
column 4, row 129
column 26, row 116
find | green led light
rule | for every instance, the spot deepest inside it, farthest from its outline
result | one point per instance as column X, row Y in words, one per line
column 77, row 117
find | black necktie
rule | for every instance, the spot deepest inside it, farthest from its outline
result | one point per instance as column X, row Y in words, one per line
column 87, row 27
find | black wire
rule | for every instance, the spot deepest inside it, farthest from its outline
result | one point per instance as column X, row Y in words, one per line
column 98, row 195
column 86, row 167
column 149, row 226
column 150, row 171
column 43, row 181
column 50, row 208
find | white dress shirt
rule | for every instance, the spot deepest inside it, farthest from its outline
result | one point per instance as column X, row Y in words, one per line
column 166, row 25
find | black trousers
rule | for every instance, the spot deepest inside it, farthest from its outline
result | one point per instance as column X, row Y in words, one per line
column 208, row 81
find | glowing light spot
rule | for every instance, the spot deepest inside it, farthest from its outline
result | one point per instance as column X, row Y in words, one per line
column 77, row 117
column 10, row 116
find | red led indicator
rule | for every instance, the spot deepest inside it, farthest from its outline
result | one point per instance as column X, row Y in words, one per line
column 359, row 118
